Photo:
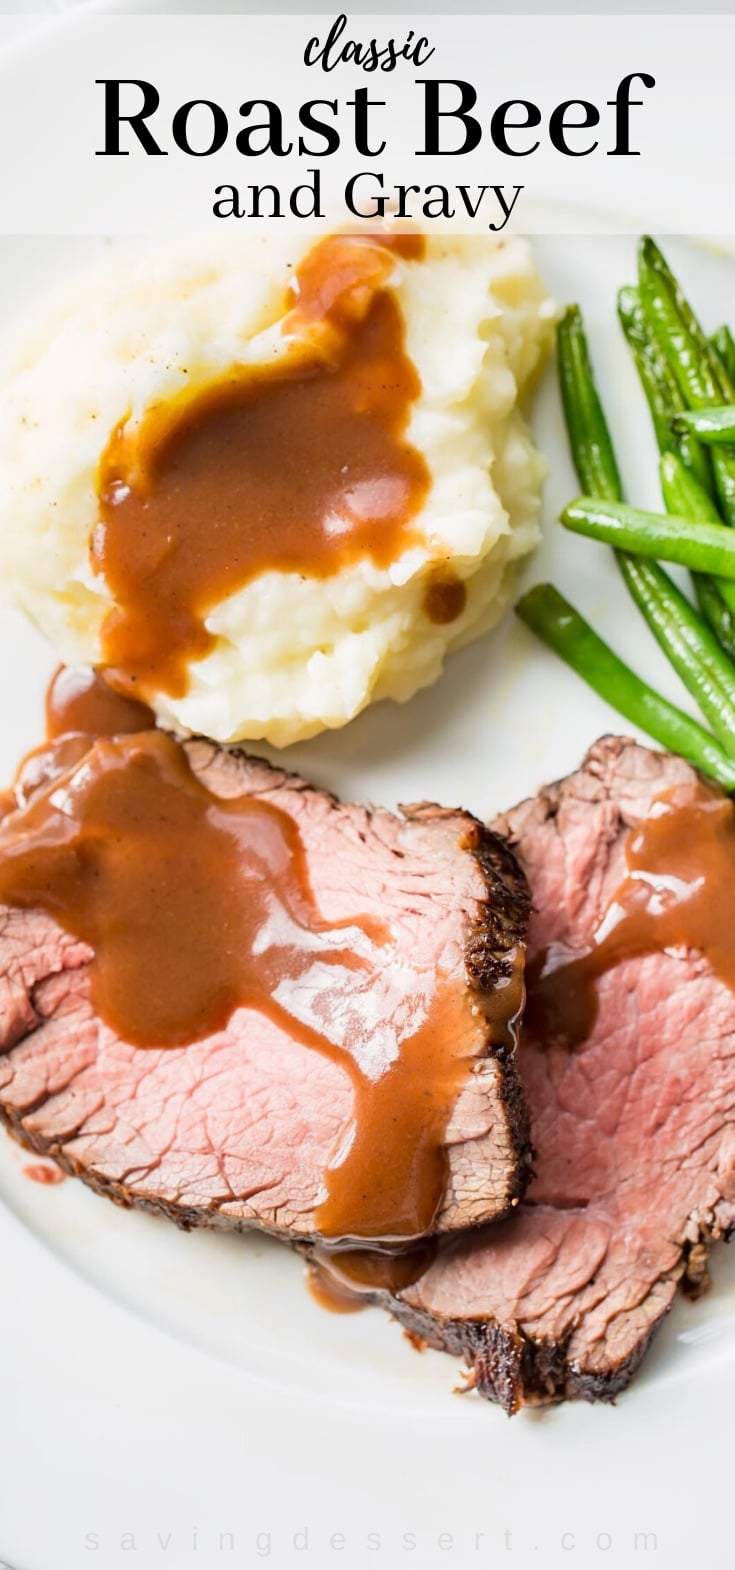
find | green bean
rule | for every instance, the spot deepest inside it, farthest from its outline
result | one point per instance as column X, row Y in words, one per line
column 704, row 547
column 684, row 637
column 684, row 460
column 659, row 383
column 715, row 612
column 723, row 344
column 562, row 629
column 683, row 347
column 715, row 426
column 708, row 365
column 698, row 369
column 683, row 497
column 688, row 644
column 660, row 387
column 715, row 596
column 592, row 448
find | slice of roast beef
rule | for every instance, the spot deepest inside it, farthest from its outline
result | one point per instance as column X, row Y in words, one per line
column 634, row 1131
column 237, row 1130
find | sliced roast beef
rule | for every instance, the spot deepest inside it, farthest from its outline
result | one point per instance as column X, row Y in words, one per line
column 238, row 1129
column 634, row 1131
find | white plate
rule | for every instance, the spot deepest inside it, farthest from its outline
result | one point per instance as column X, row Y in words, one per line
column 166, row 1395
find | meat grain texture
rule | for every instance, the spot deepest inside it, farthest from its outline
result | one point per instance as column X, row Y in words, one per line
column 237, row 1130
column 634, row 1132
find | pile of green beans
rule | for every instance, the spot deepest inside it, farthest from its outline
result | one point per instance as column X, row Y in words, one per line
column 689, row 384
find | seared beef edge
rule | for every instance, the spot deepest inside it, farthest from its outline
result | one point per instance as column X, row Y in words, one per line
column 500, row 929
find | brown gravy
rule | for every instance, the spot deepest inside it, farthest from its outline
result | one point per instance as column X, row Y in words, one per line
column 346, row 1280
column 80, row 701
column 301, row 466
column 47, row 1176
column 195, row 906
column 80, row 704
column 445, row 598
column 679, row 892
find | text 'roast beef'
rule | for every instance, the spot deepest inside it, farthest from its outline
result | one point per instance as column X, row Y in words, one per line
column 633, row 1132
column 237, row 1130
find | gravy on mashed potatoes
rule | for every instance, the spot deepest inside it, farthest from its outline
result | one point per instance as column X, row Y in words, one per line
column 265, row 482
column 300, row 465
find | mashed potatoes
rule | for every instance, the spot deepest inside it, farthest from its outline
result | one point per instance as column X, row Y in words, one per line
column 293, row 654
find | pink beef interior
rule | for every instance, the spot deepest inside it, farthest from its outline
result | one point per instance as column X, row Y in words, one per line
column 634, row 1132
column 238, row 1129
